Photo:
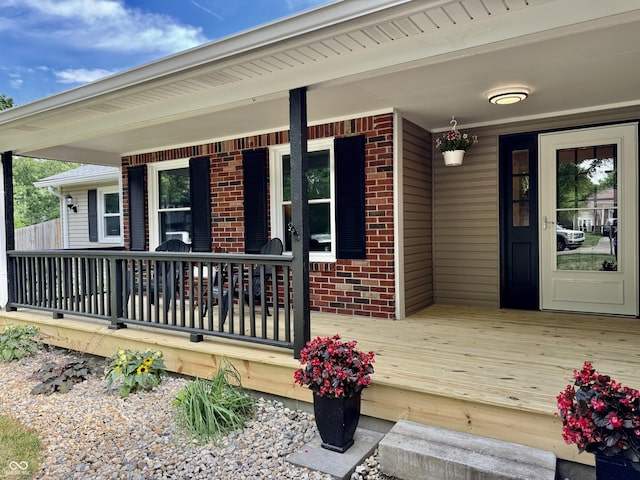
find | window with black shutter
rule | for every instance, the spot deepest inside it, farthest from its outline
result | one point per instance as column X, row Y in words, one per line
column 92, row 201
column 137, row 208
column 350, row 197
column 200, row 204
column 254, row 167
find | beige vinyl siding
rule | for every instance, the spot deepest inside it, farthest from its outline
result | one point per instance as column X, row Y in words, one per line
column 466, row 210
column 466, row 227
column 417, row 224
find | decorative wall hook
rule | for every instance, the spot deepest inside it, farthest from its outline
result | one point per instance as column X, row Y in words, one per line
column 293, row 231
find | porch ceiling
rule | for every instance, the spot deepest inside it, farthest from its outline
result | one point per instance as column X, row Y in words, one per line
column 429, row 59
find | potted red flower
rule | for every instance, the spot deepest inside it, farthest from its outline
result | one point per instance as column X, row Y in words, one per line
column 602, row 417
column 337, row 373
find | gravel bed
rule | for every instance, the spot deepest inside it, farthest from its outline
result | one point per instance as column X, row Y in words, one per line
column 93, row 433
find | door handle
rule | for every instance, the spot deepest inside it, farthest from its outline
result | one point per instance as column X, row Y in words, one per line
column 546, row 222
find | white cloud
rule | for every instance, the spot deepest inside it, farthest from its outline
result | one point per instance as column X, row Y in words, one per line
column 15, row 80
column 106, row 25
column 81, row 75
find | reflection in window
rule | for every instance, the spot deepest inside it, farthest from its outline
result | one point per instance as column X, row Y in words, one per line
column 520, row 188
column 587, row 204
column 174, row 213
column 319, row 177
column 111, row 215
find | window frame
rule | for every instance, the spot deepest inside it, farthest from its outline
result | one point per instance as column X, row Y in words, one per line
column 276, row 198
column 153, row 196
column 102, row 214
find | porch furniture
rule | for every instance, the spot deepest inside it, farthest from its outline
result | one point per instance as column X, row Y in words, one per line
column 201, row 281
column 272, row 247
column 260, row 275
column 165, row 278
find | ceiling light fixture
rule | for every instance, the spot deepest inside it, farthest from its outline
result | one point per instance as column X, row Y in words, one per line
column 507, row 96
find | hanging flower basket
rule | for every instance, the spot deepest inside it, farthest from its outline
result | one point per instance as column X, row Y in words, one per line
column 453, row 144
column 453, row 158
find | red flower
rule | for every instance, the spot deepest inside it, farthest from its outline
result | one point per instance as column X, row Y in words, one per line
column 600, row 415
column 614, row 421
column 334, row 368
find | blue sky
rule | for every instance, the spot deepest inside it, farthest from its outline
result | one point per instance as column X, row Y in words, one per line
column 48, row 46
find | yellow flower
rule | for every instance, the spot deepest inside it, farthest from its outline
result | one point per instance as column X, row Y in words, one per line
column 148, row 361
column 142, row 369
column 116, row 368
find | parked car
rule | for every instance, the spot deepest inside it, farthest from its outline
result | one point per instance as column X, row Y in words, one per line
column 570, row 239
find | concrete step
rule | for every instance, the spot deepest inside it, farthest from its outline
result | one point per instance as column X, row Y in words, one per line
column 412, row 451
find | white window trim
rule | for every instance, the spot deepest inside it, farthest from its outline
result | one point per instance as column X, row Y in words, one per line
column 102, row 237
column 152, row 195
column 275, row 174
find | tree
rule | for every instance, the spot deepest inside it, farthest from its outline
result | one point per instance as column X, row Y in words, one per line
column 5, row 102
column 35, row 205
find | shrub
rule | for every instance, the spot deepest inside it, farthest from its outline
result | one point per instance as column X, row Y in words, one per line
column 60, row 377
column 135, row 370
column 209, row 409
column 18, row 341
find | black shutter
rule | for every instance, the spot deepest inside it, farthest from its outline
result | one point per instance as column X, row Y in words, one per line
column 92, row 201
column 254, row 168
column 199, row 177
column 350, row 201
column 137, row 205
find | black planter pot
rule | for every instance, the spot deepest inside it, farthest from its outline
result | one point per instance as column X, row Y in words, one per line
column 337, row 420
column 615, row 468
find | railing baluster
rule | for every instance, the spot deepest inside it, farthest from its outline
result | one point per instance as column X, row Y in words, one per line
column 121, row 286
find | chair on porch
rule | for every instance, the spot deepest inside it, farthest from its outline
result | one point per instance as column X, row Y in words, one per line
column 272, row 247
column 167, row 274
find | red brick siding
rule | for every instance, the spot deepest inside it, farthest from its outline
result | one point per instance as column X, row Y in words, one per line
column 349, row 287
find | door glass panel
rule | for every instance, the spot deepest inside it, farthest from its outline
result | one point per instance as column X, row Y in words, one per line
column 520, row 188
column 586, row 208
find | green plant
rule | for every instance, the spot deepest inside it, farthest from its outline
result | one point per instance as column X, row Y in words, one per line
column 60, row 377
column 454, row 140
column 135, row 370
column 18, row 341
column 20, row 450
column 209, row 409
column 333, row 368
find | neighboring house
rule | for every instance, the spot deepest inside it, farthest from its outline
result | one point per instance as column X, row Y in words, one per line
column 204, row 142
column 90, row 206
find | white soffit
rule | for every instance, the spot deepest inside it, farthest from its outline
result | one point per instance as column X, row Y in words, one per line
column 319, row 50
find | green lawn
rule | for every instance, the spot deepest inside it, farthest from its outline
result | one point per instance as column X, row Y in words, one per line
column 20, row 450
column 581, row 261
column 591, row 239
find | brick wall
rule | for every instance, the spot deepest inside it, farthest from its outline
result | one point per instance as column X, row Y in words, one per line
column 350, row 287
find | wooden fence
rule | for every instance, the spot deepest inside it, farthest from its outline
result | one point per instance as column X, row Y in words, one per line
column 43, row 236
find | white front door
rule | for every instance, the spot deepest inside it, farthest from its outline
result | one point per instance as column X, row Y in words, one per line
column 589, row 220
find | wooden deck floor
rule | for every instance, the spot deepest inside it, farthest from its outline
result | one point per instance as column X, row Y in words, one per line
column 488, row 372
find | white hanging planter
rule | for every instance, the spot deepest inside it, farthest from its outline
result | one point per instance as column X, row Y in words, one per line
column 453, row 158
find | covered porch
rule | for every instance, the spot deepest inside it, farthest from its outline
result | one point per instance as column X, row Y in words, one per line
column 484, row 371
